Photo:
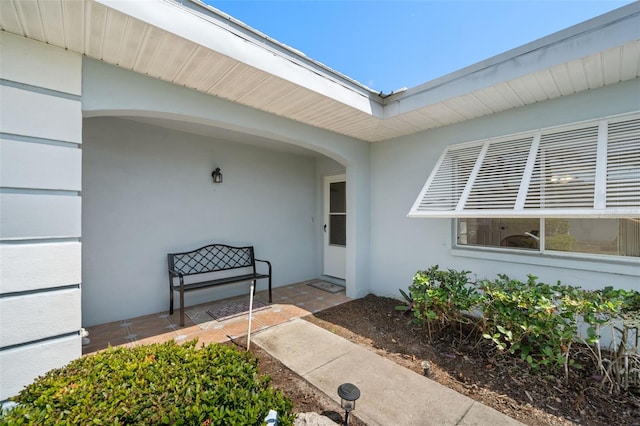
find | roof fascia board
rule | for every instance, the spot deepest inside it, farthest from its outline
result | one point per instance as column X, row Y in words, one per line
column 226, row 37
column 598, row 34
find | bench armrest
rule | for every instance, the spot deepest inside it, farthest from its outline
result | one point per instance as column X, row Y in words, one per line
column 265, row 261
column 175, row 273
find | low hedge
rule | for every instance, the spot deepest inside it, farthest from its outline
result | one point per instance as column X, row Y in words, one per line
column 538, row 322
column 153, row 384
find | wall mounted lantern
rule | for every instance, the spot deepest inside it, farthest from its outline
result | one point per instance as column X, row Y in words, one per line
column 348, row 394
column 216, row 175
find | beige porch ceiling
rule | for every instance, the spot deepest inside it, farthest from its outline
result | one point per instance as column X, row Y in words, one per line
column 196, row 46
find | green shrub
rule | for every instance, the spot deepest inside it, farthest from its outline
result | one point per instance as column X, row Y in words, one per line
column 153, row 384
column 443, row 298
column 534, row 320
column 619, row 311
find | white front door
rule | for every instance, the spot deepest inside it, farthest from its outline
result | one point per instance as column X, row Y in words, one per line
column 335, row 226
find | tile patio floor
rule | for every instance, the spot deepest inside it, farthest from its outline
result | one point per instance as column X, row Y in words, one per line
column 289, row 302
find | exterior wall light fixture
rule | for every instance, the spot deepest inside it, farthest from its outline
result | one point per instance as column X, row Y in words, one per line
column 348, row 394
column 216, row 175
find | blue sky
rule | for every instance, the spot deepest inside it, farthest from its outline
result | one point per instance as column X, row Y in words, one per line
column 387, row 45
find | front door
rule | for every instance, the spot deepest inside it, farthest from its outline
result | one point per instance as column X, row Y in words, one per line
column 335, row 226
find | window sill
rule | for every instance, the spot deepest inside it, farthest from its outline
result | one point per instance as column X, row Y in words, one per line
column 584, row 262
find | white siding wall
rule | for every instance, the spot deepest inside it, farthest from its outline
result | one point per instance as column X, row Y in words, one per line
column 148, row 191
column 402, row 246
column 40, row 180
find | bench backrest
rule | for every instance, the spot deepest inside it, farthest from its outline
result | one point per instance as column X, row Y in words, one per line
column 211, row 258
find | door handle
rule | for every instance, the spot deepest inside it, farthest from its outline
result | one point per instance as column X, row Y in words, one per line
column 325, row 227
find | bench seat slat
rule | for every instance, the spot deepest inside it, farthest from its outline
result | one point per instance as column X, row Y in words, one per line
column 220, row 281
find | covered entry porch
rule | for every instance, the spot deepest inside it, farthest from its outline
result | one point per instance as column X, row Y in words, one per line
column 148, row 191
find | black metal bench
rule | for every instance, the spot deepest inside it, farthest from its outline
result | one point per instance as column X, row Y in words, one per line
column 212, row 259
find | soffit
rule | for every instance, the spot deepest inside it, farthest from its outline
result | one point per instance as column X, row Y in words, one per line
column 200, row 48
column 611, row 66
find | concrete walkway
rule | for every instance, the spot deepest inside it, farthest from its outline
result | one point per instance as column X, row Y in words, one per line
column 390, row 394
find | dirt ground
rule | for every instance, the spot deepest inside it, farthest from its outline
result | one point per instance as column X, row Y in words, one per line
column 478, row 372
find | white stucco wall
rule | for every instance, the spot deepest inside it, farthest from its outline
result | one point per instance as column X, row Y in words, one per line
column 148, row 191
column 40, row 183
column 400, row 246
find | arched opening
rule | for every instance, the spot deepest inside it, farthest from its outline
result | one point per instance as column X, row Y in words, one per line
column 148, row 191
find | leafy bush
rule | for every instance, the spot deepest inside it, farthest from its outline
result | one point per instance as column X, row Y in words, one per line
column 441, row 297
column 534, row 320
column 538, row 322
column 619, row 311
column 153, row 384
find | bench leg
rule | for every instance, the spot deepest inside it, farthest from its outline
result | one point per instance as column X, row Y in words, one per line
column 182, row 308
column 170, row 301
column 270, row 299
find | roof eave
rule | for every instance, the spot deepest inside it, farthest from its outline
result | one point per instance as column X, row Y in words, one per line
column 606, row 31
column 214, row 30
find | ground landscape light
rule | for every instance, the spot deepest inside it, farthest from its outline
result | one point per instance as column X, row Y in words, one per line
column 348, row 394
column 216, row 175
